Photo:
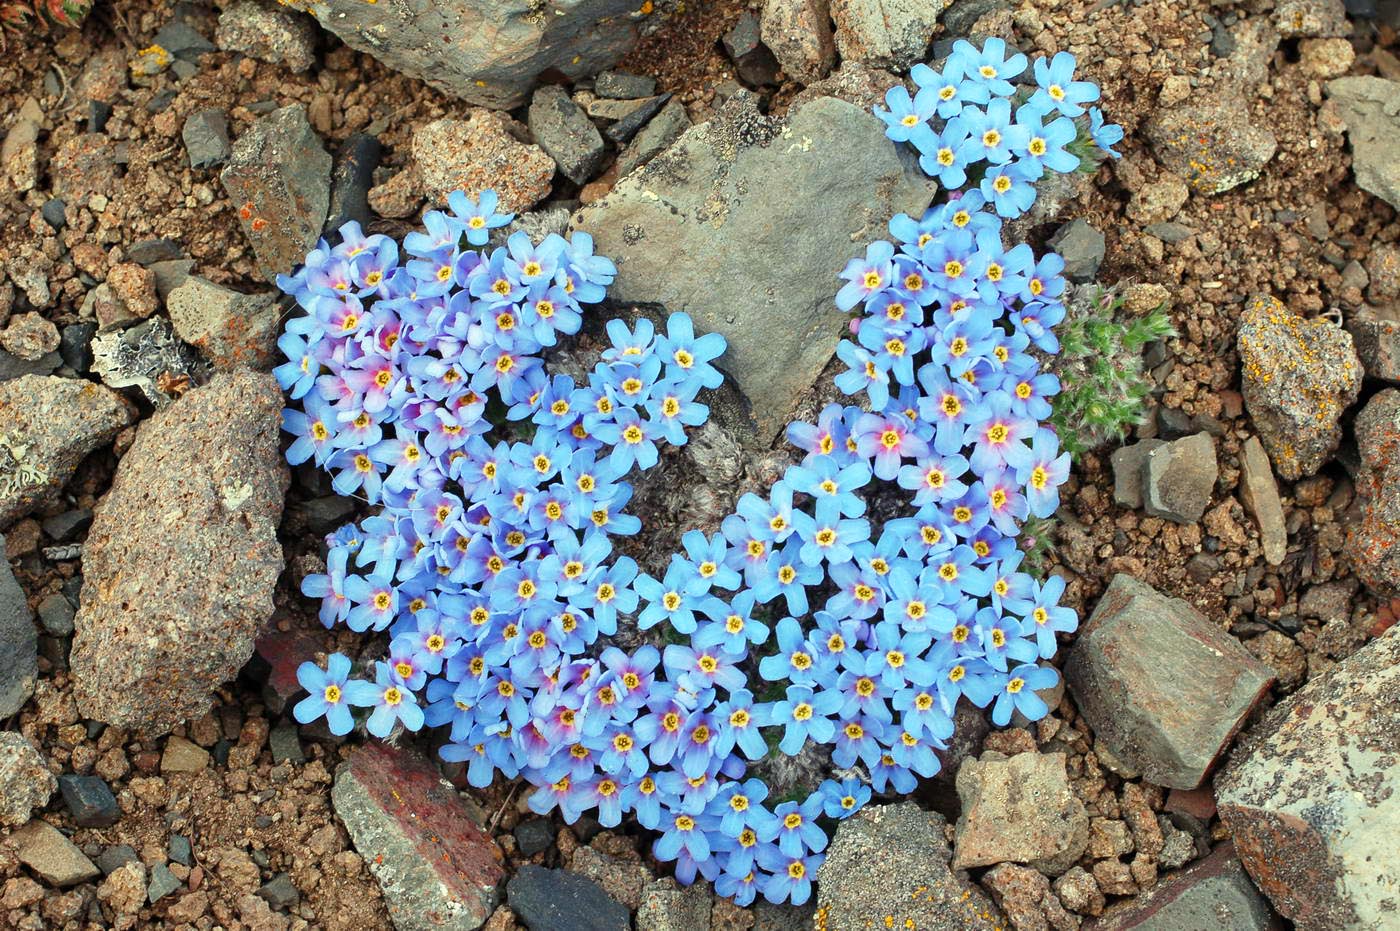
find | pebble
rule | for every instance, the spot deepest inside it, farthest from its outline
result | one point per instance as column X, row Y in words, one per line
column 351, row 179
column 19, row 643
column 90, row 803
column 1179, row 477
column 620, row 85
column 1082, row 248
column 545, row 900
column 232, row 330
column 1367, row 106
column 1299, row 375
column 56, row 614
column 29, row 336
column 667, row 906
column 1019, row 809
column 1373, row 538
column 206, row 138
column 655, row 137
column 180, row 850
column 481, row 152
column 886, row 35
column 285, row 743
column 631, row 123
column 45, row 850
column 566, row 134
column 114, row 858
column 533, row 836
column 124, row 889
column 278, row 178
column 53, row 213
column 25, row 780
column 277, row 36
column 183, row 756
column 280, row 892
column 799, row 32
column 1303, row 794
column 135, row 287
column 1125, row 673
column 52, row 424
column 19, row 153
column 1079, row 892
column 422, row 846
column 180, row 39
column 1259, row 494
column 163, row 882
column 753, row 61
column 196, row 484
column 1024, row 896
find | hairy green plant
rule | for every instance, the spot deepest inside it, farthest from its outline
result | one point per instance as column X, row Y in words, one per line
column 1102, row 383
column 36, row 15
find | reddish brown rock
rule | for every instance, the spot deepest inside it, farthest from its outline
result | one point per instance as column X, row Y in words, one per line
column 438, row 869
column 483, row 151
column 1373, row 541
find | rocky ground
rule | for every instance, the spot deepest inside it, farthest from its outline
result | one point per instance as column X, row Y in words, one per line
column 1220, row 747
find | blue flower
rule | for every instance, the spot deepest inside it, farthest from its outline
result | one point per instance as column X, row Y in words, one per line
column 1018, row 693
column 393, row 703
column 479, row 217
column 1058, row 90
column 326, row 694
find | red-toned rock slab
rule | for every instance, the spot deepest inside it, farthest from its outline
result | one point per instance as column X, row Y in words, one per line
column 437, row 868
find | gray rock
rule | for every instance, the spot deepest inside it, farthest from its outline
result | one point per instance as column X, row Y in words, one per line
column 206, row 139
column 1178, row 478
column 1163, row 688
column 326, row 514
column 566, row 134
column 182, row 40
column 1309, row 795
column 436, row 867
column 1370, row 108
column 90, row 802
column 631, row 122
column 352, row 176
column 619, row 85
column 12, row 366
column 1214, row 893
column 167, row 613
column 232, row 330
column 857, row 887
column 25, row 780
column 114, row 858
column 493, row 67
column 544, row 900
column 1311, row 18
column 280, row 892
column 66, row 526
column 56, row 614
column 278, row 178
column 43, row 848
column 1298, row 376
column 533, row 836
column 163, row 882
column 170, row 275
column 1259, row 494
column 268, row 33
column 654, row 138
column 962, row 15
column 75, row 346
column 885, row 33
column 799, row 33
column 1376, row 334
column 53, row 213
column 698, row 198
column 1373, row 537
column 753, row 61
column 1209, row 141
column 1019, row 809
column 1129, row 463
column 667, row 906
column 285, row 743
column 148, row 357
column 19, row 643
column 1082, row 248
column 180, row 850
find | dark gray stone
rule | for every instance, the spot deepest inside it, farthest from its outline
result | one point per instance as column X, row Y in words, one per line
column 534, row 836
column 91, row 804
column 285, row 743
column 206, row 138
column 1170, row 232
column 180, row 850
column 619, row 85
column 19, row 643
column 1082, row 248
column 280, row 892
column 181, row 40
column 1164, row 689
column 99, row 112
column 655, row 137
column 56, row 614
column 1128, row 464
column 1214, row 893
column 550, row 900
column 66, row 526
column 629, row 125
column 163, row 882
column 351, row 178
column 75, row 346
column 12, row 366
column 114, row 858
column 326, row 514
column 52, row 212
column 566, row 134
column 961, row 15
column 753, row 61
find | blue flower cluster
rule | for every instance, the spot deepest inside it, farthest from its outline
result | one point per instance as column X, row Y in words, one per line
column 969, row 122
column 801, row 625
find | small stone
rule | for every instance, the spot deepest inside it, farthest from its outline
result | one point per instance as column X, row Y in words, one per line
column 1024, row 896
column 1376, row 335
column 66, row 526
column 114, row 858
column 1019, row 809
column 1326, row 58
column 885, row 33
column 1211, row 143
column 135, row 287
column 19, row 153
column 180, row 39
column 1109, row 839
column 90, row 801
column 84, row 169
column 482, row 151
column 1079, row 892
column 351, row 179
column 206, row 138
column 29, row 336
column 232, row 330
column 45, row 850
column 1298, row 375
column 1082, row 248
column 1373, row 538
column 163, row 882
column 1159, row 200
column 1310, row 18
column 285, row 743
column 1144, row 297
column 1214, row 893
column 124, row 889
column 56, row 614
column 1129, row 464
column 619, row 85
column 1179, row 477
column 277, row 36
column 667, row 906
column 53, row 213
column 280, row 892
column 25, row 780
column 19, row 644
column 278, row 177
column 436, row 867
column 1259, row 494
column 182, row 756
column 180, row 850
column 630, row 123
column 534, row 836
column 1125, row 673
column 655, row 137
column 544, row 900
column 1369, row 109
column 566, row 134
column 856, row 887
column 799, row 33
column 753, row 61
